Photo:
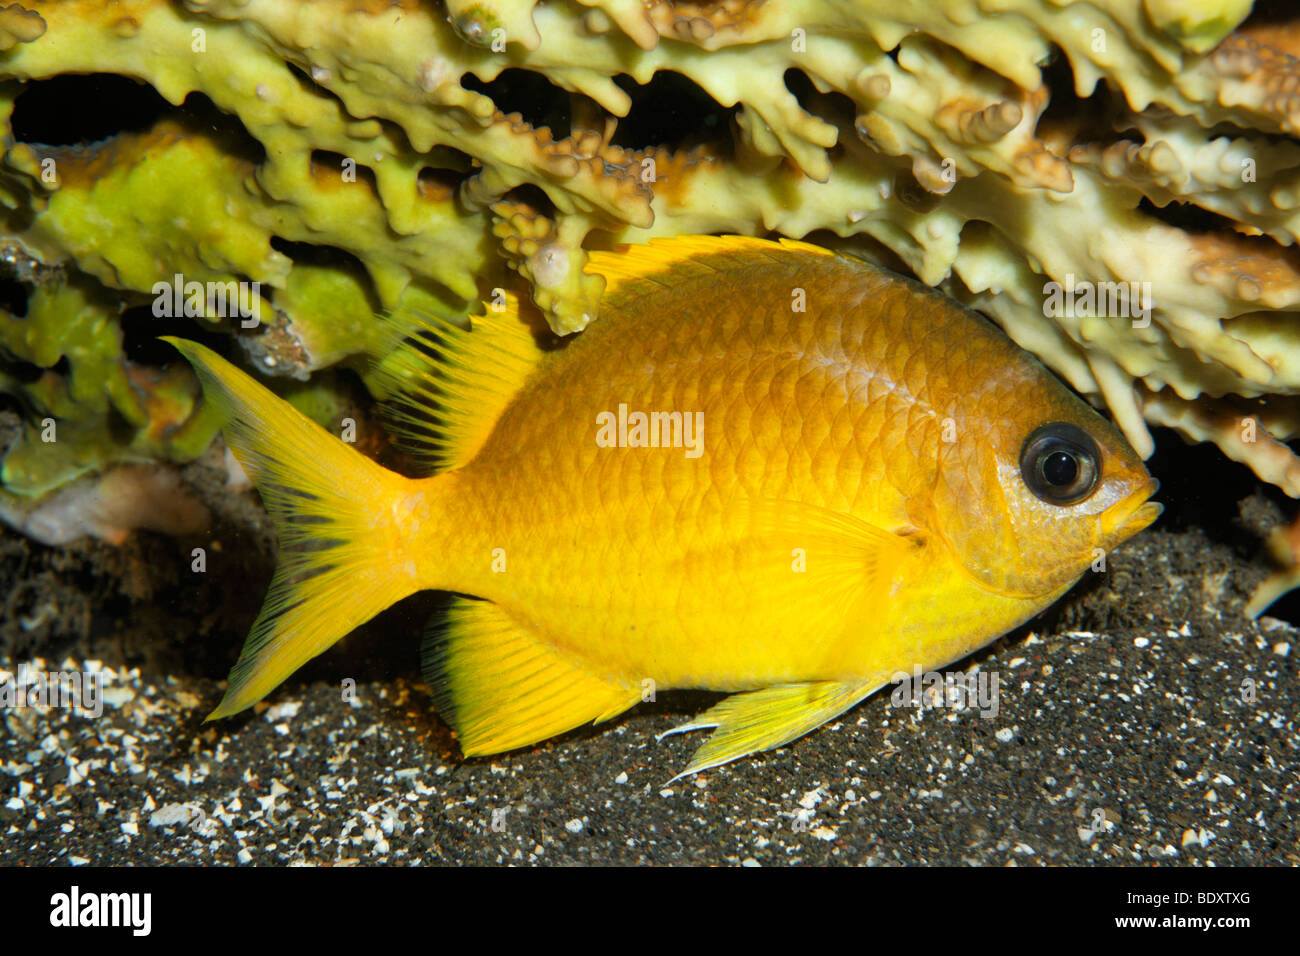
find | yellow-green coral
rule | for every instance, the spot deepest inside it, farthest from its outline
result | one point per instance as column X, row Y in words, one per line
column 924, row 134
column 1198, row 24
column 18, row 25
column 76, row 418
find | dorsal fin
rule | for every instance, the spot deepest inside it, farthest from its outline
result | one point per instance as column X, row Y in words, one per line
column 632, row 271
column 448, row 385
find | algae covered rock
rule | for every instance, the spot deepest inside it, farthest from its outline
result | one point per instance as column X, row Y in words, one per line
column 1116, row 182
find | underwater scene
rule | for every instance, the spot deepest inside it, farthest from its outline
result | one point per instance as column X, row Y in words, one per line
column 649, row 432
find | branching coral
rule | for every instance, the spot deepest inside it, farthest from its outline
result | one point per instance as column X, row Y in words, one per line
column 1033, row 157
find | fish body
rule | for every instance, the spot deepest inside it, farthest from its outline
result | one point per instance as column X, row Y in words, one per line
column 766, row 469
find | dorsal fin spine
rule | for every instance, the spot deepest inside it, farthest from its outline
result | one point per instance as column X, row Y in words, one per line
column 450, row 385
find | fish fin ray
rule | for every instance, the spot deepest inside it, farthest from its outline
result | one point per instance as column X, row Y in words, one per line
column 769, row 718
column 448, row 385
column 631, row 270
column 846, row 560
column 337, row 566
column 840, row 539
column 501, row 687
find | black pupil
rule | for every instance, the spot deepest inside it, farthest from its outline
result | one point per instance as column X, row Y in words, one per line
column 1060, row 468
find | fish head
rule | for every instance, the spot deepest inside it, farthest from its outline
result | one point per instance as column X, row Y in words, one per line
column 1043, row 489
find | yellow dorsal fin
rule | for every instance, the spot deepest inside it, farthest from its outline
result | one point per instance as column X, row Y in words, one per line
column 631, row 271
column 449, row 385
column 500, row 687
column 765, row 719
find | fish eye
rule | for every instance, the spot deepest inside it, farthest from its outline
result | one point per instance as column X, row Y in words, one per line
column 1059, row 463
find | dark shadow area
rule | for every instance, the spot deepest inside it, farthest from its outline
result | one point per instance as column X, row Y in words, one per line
column 13, row 296
column 671, row 111
column 76, row 109
column 1270, row 12
column 539, row 101
column 141, row 328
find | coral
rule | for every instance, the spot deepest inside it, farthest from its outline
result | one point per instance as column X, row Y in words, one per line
column 110, row 506
column 18, row 25
column 1035, row 158
column 76, row 417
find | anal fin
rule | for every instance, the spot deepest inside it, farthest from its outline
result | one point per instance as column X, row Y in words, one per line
column 500, row 687
column 767, row 718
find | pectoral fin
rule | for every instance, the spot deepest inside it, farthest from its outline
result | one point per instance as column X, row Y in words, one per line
column 766, row 719
column 831, row 571
column 840, row 549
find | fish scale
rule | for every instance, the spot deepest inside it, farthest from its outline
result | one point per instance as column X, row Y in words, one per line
column 827, row 537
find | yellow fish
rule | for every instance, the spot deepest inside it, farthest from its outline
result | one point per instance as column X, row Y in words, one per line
column 767, row 469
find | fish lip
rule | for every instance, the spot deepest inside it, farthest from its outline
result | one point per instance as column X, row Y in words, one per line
column 1132, row 513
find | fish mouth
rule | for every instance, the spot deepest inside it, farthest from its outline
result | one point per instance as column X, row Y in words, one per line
column 1132, row 513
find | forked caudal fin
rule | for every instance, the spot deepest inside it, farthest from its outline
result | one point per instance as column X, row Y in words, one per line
column 343, row 557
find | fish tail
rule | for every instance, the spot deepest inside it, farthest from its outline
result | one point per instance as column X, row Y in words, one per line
column 338, row 519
